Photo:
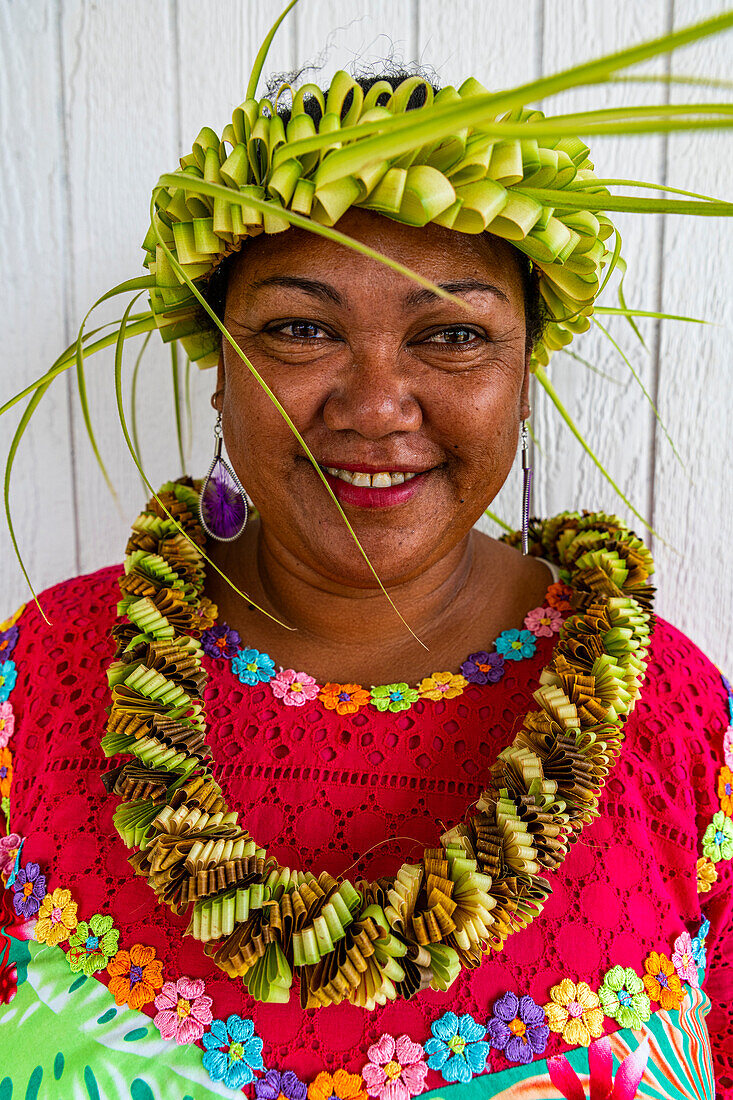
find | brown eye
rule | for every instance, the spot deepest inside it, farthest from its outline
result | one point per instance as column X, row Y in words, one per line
column 301, row 330
column 457, row 336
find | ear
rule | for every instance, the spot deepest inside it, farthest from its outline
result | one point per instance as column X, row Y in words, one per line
column 524, row 407
column 217, row 397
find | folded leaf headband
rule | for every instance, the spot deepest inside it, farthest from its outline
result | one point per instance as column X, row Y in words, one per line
column 466, row 159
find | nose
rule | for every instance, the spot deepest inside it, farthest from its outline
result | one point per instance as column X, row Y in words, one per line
column 373, row 398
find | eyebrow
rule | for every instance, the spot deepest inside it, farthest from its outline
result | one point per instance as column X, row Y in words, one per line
column 423, row 296
column 413, row 299
column 317, row 289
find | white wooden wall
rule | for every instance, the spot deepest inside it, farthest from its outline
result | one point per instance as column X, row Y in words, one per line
column 98, row 97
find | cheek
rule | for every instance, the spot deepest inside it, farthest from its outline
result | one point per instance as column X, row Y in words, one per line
column 478, row 419
column 256, row 434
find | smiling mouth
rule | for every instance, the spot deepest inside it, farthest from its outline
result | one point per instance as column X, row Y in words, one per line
column 383, row 479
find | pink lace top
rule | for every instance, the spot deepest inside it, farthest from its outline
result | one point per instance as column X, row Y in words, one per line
column 321, row 790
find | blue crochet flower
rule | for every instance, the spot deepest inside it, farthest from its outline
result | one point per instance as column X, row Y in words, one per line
column 699, row 950
column 457, row 1048
column 233, row 1051
column 514, row 645
column 8, row 676
column 253, row 667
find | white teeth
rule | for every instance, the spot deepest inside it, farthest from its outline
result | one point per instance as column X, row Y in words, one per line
column 382, row 480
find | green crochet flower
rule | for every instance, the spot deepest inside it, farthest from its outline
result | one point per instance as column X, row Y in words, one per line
column 623, row 998
column 92, row 945
column 718, row 839
column 393, row 697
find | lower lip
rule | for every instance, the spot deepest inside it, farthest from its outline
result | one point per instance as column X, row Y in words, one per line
column 368, row 497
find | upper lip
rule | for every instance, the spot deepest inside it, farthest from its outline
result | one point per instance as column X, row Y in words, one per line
column 371, row 468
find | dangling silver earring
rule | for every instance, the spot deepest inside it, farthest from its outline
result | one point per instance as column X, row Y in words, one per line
column 223, row 508
column 526, row 487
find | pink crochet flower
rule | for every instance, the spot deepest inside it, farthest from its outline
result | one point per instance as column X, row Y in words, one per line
column 8, row 847
column 543, row 622
column 396, row 1069
column 728, row 745
column 7, row 723
column 183, row 1010
column 294, row 688
column 683, row 959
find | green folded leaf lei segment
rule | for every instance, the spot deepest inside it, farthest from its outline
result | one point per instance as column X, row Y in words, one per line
column 364, row 942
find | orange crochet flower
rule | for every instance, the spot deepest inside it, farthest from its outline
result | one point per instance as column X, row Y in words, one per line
column 56, row 918
column 343, row 698
column 558, row 596
column 6, row 772
column 725, row 790
column 442, row 685
column 342, row 1086
column 135, row 976
column 661, row 981
column 707, row 874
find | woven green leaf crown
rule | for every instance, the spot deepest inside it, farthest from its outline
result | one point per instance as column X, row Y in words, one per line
column 472, row 179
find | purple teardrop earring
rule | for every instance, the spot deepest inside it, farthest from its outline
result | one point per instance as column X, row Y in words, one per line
column 223, row 508
column 526, row 487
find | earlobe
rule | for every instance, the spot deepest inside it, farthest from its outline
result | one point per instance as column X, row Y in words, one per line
column 217, row 397
column 524, row 408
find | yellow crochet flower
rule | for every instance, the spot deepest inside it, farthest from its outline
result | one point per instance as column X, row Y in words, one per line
column 442, row 685
column 575, row 1013
column 707, row 874
column 56, row 917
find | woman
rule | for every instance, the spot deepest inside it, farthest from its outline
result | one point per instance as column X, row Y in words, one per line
column 474, row 907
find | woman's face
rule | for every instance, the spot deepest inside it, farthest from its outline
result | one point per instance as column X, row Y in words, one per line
column 412, row 403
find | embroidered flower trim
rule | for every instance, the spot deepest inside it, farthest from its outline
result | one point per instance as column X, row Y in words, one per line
column 134, row 976
column 56, row 917
column 29, row 890
column 6, row 772
column 707, row 874
column 7, row 723
column 725, row 790
column 9, row 846
column 518, row 1028
column 276, row 1084
column 393, row 697
column 717, row 842
column 252, row 667
column 343, row 698
column 441, row 685
column 340, row 1086
column 516, row 645
column 574, row 1012
column 396, row 1069
column 661, row 982
column 457, row 1047
column 8, row 677
column 8, row 642
column 543, row 622
column 623, row 998
column 233, row 1051
column 683, row 960
column 184, row 1010
column 728, row 746
column 92, row 945
column 294, row 688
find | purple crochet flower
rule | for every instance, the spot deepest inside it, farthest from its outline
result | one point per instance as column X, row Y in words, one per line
column 483, row 667
column 275, row 1084
column 220, row 641
column 29, row 890
column 8, row 639
column 518, row 1028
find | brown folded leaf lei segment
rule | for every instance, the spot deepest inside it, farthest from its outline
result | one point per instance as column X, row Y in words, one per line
column 366, row 943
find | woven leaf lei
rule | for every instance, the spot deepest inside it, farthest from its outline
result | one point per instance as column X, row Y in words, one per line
column 468, row 177
column 485, row 879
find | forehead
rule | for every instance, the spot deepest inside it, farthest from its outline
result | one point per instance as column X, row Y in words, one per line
column 435, row 252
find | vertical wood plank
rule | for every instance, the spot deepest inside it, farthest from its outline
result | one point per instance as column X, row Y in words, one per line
column 120, row 97
column 695, row 506
column 33, row 277
column 613, row 416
